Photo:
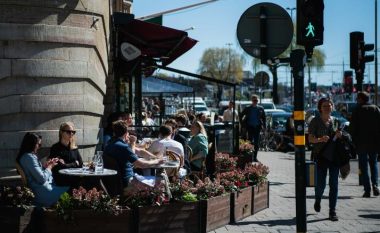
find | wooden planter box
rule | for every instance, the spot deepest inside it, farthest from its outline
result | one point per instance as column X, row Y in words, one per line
column 241, row 204
column 15, row 219
column 260, row 197
column 215, row 213
column 88, row 221
column 174, row 217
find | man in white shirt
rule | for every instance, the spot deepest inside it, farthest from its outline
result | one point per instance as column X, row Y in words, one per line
column 228, row 113
column 165, row 142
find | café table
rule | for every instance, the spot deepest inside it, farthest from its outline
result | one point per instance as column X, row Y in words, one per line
column 161, row 172
column 82, row 173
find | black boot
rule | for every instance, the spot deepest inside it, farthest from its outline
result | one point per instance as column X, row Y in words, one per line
column 332, row 216
column 375, row 190
column 317, row 205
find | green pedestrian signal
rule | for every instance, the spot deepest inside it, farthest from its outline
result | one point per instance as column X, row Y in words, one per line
column 310, row 22
column 310, row 30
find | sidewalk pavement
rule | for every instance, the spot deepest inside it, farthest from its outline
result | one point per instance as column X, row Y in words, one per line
column 356, row 214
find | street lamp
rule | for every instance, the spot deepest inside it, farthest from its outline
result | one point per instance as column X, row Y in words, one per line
column 291, row 48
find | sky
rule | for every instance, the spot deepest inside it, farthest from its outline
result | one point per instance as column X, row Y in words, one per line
column 215, row 26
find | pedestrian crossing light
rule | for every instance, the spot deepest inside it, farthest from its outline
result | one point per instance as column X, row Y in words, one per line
column 310, row 22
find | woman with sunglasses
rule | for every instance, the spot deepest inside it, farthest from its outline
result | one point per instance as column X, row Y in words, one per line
column 67, row 151
column 39, row 177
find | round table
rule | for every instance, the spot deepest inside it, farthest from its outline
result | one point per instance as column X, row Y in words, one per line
column 81, row 173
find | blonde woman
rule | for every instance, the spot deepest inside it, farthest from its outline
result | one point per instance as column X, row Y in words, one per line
column 199, row 145
column 67, row 151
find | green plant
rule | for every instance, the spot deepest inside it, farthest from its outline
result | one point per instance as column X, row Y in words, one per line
column 183, row 190
column 18, row 196
column 233, row 180
column 143, row 195
column 256, row 173
column 206, row 189
column 81, row 198
column 224, row 162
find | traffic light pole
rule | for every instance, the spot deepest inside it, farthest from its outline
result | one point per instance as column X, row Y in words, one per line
column 297, row 62
column 359, row 79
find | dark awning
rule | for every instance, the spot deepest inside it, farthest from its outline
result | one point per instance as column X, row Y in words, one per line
column 155, row 41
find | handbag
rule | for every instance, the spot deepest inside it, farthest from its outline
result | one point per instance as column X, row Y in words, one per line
column 344, row 170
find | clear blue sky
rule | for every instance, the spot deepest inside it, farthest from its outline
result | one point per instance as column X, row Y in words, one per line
column 215, row 26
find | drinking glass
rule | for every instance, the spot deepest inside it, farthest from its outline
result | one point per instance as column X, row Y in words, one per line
column 86, row 164
column 99, row 162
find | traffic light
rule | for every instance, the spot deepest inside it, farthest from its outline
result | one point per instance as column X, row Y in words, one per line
column 356, row 39
column 348, row 82
column 310, row 22
column 366, row 58
column 358, row 50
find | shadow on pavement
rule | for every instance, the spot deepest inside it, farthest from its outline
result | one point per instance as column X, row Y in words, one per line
column 270, row 223
column 277, row 183
column 373, row 216
column 324, row 197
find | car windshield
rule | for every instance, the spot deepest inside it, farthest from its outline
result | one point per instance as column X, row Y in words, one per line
column 267, row 105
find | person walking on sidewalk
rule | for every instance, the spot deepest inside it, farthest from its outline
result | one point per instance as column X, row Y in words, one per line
column 323, row 130
column 254, row 118
column 365, row 130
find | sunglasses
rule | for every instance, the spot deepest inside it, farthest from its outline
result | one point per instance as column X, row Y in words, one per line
column 69, row 131
column 255, row 100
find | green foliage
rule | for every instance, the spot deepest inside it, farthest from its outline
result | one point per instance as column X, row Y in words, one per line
column 98, row 201
column 188, row 196
column 18, row 196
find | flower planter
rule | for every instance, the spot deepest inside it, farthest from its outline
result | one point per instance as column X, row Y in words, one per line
column 215, row 212
column 241, row 204
column 260, row 197
column 15, row 219
column 174, row 217
column 87, row 220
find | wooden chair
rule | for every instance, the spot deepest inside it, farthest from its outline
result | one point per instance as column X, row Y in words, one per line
column 174, row 156
column 21, row 172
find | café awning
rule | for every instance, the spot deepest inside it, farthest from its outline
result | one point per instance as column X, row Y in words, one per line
column 156, row 42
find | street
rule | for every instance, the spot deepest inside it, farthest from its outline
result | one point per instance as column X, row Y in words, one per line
column 356, row 214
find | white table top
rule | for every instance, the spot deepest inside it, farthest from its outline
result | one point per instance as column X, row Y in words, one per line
column 81, row 172
column 171, row 164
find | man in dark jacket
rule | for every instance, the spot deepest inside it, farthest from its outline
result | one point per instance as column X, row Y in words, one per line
column 254, row 119
column 365, row 131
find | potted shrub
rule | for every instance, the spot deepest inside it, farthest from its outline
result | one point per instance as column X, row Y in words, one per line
column 246, row 151
column 16, row 209
column 224, row 162
column 214, row 203
column 87, row 210
column 154, row 212
column 241, row 193
column 256, row 175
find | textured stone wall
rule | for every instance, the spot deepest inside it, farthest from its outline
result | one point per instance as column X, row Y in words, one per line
column 53, row 68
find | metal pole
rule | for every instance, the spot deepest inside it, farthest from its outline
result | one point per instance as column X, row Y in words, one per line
column 297, row 62
column 291, row 49
column 174, row 10
column 376, row 75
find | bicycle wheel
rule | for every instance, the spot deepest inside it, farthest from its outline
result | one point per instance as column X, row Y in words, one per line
column 275, row 141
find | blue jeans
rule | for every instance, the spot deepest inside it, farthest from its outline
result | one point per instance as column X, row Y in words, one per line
column 333, row 183
column 364, row 158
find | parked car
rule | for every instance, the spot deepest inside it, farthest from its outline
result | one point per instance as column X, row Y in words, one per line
column 311, row 113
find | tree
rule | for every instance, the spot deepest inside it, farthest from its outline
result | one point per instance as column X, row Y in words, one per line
column 222, row 63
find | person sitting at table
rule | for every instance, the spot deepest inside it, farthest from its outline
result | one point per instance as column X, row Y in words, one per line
column 199, row 146
column 67, row 150
column 122, row 150
column 108, row 132
column 39, row 178
column 165, row 142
